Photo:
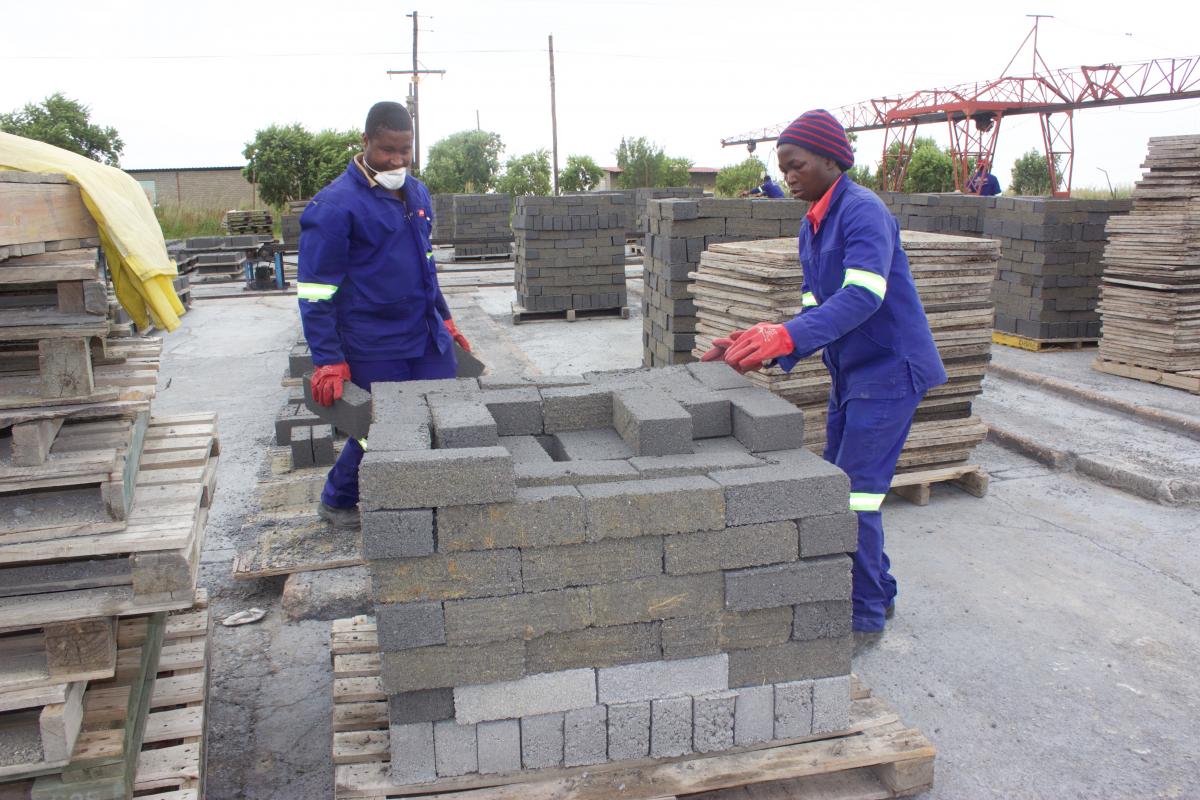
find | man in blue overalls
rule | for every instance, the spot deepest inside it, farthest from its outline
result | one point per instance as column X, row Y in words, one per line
column 370, row 302
column 768, row 189
column 860, row 304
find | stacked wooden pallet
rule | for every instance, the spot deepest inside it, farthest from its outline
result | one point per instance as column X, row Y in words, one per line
column 741, row 283
column 1150, row 300
column 242, row 222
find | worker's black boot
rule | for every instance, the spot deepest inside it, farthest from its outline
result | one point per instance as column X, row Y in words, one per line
column 341, row 518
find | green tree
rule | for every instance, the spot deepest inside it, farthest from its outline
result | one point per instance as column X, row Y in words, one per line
column 581, row 174
column 526, row 175
column 930, row 169
column 1031, row 175
column 675, row 172
column 333, row 150
column 861, row 174
column 644, row 165
column 738, row 178
column 467, row 161
column 65, row 123
column 280, row 160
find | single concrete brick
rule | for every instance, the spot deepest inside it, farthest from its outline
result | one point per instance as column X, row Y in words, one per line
column 594, row 647
column 822, row 620
column 300, row 440
column 402, row 626
column 599, row 444
column 461, row 425
column 426, row 705
column 593, row 563
column 576, row 408
column 785, row 491
column 412, row 753
column 517, row 411
column 793, row 709
column 455, row 749
column 574, row 473
column 657, row 506
column 438, row 667
column 790, row 661
column 397, row 436
column 828, row 534
column 713, row 718
column 806, row 581
column 720, row 445
column 693, row 464
column 543, row 516
column 656, row 598
column 628, row 731
column 350, row 414
column 396, row 401
column 651, row 423
column 763, row 421
column 670, row 727
column 731, row 548
column 655, row 680
column 499, row 746
column 435, row 478
column 521, row 616
column 831, row 704
column 754, row 717
column 718, row 375
column 397, row 534
column 443, row 576
column 542, row 741
column 525, row 450
column 530, row 696
column 585, row 736
column 322, row 445
column 692, row 636
column 711, row 413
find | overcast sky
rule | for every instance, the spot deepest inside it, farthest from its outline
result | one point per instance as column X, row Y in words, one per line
column 189, row 84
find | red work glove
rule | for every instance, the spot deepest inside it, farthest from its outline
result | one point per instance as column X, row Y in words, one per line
column 327, row 382
column 720, row 345
column 458, row 337
column 763, row 342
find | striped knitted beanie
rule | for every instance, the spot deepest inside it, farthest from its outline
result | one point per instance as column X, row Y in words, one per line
column 818, row 132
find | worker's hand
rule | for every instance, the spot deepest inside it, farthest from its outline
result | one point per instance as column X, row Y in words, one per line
column 458, row 337
column 719, row 346
column 327, row 381
column 761, row 343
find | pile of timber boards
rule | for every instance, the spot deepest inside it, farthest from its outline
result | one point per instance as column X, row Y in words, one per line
column 1150, row 301
column 741, row 283
column 242, row 222
column 102, row 506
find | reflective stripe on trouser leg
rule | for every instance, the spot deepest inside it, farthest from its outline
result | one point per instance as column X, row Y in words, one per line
column 315, row 292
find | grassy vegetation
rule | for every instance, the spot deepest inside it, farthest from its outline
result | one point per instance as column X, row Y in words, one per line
column 1119, row 191
column 181, row 222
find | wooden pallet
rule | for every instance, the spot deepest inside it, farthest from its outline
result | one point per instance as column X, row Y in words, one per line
column 521, row 315
column 876, row 757
column 35, row 665
column 1041, row 345
column 915, row 486
column 1188, row 381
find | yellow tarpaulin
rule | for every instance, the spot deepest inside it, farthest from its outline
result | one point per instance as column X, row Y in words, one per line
column 133, row 242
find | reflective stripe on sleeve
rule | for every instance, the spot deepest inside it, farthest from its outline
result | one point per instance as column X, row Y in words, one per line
column 808, row 300
column 315, row 291
column 865, row 501
column 363, row 443
column 875, row 284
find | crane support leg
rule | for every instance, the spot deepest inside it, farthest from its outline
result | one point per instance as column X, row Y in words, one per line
column 1058, row 134
column 897, row 150
column 972, row 139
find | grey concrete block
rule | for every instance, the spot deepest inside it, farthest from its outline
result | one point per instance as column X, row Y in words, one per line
column 455, row 749
column 628, row 731
column 657, row 598
column 300, row 440
column 494, row 573
column 793, row 709
column 426, row 705
column 585, row 736
column 520, row 616
column 597, row 444
column 654, row 680
column 323, row 454
column 701, row 635
column 573, row 473
column 718, row 375
column 822, row 620
column 402, row 626
column 351, row 414
column 831, row 704
column 711, row 414
column 658, row 506
column 790, row 661
column 791, row 490
column 651, row 423
column 463, row 424
column 499, row 746
column 412, row 753
column 731, row 548
column 396, row 436
column 754, row 716
column 525, row 450
column 397, row 534
column 724, row 445
column 764, row 422
column 542, row 741
column 594, row 647
column 805, row 581
column 439, row 666
column 529, row 696
column 693, row 464
column 543, row 516
column 435, row 478
column 670, row 727
column 517, row 411
column 712, row 722
column 576, row 408
column 593, row 563
column 828, row 534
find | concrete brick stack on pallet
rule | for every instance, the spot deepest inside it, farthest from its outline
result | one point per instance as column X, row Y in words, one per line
column 677, row 232
column 443, row 219
column 570, row 252
column 642, row 198
column 290, row 225
column 571, row 571
column 481, row 224
column 1048, row 283
column 217, row 256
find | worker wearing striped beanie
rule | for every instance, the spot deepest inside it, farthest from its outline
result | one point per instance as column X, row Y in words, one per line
column 859, row 306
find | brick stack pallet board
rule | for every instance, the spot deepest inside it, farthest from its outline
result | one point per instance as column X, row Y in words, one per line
column 1151, row 292
column 633, row 574
column 103, row 505
column 217, row 258
column 481, row 226
column 739, row 284
column 248, row 222
column 570, row 256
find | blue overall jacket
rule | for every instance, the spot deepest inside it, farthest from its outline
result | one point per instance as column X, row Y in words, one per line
column 860, row 303
column 367, row 282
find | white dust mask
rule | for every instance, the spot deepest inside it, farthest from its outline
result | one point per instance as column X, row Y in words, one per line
column 392, row 180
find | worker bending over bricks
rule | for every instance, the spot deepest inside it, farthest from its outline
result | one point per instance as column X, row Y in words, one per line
column 370, row 302
column 860, row 305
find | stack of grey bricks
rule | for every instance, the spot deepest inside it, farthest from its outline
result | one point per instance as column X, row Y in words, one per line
column 443, row 219
column 216, row 254
column 677, row 232
column 642, row 198
column 1048, row 283
column 572, row 571
column 481, row 224
column 570, row 251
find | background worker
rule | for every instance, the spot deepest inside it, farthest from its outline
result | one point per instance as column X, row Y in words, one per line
column 860, row 304
column 768, row 188
column 983, row 182
column 370, row 302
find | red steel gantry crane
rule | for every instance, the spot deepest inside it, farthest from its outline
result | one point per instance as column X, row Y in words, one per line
column 973, row 111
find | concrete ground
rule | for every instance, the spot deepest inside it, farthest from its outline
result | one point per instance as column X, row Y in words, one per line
column 1045, row 638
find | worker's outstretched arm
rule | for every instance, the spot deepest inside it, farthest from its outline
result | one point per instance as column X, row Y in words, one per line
column 324, row 251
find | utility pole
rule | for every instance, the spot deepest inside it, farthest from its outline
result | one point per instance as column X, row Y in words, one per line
column 553, row 117
column 416, row 73
column 477, row 119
